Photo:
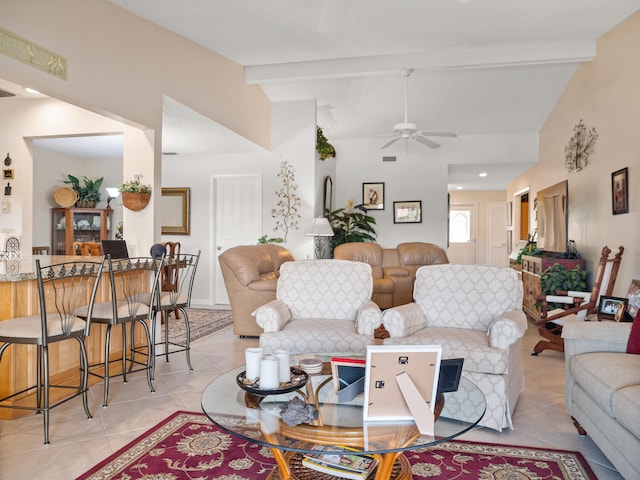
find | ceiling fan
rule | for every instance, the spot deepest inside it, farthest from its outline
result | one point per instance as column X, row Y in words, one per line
column 407, row 130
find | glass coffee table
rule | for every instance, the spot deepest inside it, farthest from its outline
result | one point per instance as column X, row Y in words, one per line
column 256, row 418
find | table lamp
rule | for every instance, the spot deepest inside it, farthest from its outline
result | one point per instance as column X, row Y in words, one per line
column 320, row 228
column 112, row 193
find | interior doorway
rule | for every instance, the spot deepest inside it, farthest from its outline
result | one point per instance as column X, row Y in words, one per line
column 522, row 221
column 462, row 234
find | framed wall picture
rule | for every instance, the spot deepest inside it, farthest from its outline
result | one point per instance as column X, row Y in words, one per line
column 373, row 196
column 7, row 173
column 407, row 212
column 620, row 191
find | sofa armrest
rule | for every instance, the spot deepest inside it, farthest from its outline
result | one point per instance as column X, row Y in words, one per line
column 369, row 318
column 269, row 285
column 272, row 316
column 404, row 320
column 584, row 337
column 505, row 330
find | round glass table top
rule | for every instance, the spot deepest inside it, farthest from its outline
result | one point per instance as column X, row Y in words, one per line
column 258, row 419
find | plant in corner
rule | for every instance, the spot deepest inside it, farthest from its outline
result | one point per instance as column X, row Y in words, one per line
column 287, row 209
column 135, row 194
column 351, row 224
column 88, row 190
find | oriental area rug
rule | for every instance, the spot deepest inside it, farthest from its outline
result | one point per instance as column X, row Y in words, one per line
column 203, row 321
column 187, row 446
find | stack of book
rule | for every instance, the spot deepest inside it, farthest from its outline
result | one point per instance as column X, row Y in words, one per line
column 344, row 464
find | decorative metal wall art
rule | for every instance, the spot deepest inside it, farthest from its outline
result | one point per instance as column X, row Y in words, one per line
column 578, row 151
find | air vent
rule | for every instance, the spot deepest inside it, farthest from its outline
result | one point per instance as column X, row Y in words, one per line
column 4, row 93
column 388, row 159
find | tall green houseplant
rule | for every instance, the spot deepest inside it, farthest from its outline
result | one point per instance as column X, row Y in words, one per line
column 351, row 224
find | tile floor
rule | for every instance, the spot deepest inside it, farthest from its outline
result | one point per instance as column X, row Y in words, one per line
column 77, row 444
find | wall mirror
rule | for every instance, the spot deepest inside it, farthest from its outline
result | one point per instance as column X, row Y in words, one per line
column 174, row 211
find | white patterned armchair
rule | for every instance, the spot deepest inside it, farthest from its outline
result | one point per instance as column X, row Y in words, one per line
column 321, row 306
column 474, row 312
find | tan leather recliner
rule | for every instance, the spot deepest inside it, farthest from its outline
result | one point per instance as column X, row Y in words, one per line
column 250, row 275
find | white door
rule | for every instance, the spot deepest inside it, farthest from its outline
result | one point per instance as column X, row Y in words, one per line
column 462, row 234
column 238, row 211
column 497, row 234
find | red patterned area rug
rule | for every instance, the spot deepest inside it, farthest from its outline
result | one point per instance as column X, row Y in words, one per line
column 188, row 446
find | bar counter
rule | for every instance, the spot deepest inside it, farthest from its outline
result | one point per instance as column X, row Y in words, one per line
column 19, row 297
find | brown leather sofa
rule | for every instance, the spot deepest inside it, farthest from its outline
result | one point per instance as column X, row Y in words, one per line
column 393, row 269
column 250, row 275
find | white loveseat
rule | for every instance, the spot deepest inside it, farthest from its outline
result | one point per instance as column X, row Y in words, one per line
column 603, row 390
column 473, row 312
column 321, row 306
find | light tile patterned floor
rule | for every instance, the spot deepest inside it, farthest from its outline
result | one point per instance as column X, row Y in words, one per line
column 540, row 420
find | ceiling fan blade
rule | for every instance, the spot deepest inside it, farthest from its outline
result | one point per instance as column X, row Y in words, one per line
column 390, row 142
column 439, row 134
column 426, row 141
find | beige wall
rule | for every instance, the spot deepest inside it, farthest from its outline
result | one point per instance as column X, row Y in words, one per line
column 606, row 95
column 480, row 199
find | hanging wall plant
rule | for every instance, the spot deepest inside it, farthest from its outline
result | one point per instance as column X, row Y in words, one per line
column 323, row 147
column 135, row 195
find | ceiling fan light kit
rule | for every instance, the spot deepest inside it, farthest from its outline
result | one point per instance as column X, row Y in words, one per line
column 408, row 130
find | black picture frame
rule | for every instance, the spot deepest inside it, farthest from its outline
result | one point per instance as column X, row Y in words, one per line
column 373, row 195
column 407, row 211
column 612, row 307
column 620, row 191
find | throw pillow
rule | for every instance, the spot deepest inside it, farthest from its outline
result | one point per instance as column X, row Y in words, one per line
column 633, row 345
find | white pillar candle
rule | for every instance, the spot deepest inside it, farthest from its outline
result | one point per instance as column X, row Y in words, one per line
column 284, row 367
column 252, row 357
column 269, row 373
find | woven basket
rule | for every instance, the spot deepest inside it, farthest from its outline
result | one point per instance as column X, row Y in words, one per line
column 135, row 201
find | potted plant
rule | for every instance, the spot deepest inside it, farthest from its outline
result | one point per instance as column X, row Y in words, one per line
column 135, row 195
column 351, row 224
column 88, row 190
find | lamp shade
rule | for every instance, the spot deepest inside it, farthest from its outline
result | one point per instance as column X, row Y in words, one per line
column 113, row 192
column 320, row 228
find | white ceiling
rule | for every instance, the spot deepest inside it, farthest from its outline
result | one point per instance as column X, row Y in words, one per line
column 481, row 67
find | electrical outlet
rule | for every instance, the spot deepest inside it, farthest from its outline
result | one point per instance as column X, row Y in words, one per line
column 6, row 207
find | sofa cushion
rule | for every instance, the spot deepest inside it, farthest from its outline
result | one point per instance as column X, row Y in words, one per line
column 472, row 345
column 633, row 344
column 317, row 335
column 626, row 408
column 474, row 297
column 602, row 374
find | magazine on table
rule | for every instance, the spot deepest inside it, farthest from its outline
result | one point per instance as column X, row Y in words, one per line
column 345, row 465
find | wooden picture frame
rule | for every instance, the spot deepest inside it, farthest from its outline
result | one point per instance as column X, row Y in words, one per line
column 409, row 211
column 175, row 211
column 7, row 174
column 612, row 307
column 383, row 398
column 620, row 191
column 373, row 196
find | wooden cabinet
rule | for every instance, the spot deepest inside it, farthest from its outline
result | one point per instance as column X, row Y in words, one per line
column 532, row 268
column 78, row 225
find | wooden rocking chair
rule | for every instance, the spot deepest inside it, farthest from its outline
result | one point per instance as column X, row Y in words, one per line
column 577, row 304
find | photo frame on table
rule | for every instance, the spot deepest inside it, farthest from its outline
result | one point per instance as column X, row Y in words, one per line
column 373, row 196
column 612, row 307
column 409, row 211
column 620, row 191
column 634, row 298
column 383, row 397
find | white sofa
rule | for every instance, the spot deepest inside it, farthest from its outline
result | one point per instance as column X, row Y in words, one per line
column 473, row 312
column 603, row 390
column 321, row 306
